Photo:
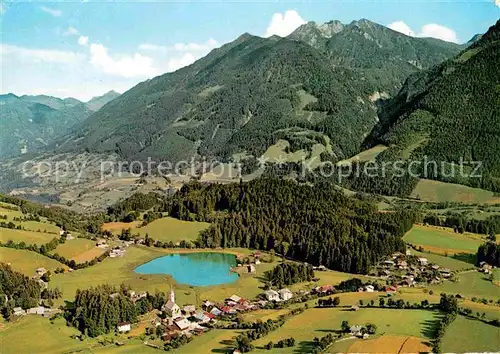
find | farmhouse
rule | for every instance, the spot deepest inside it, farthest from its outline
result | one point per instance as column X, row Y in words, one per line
column 369, row 288
column 251, row 268
column 354, row 308
column 189, row 309
column 285, row 294
column 215, row 311
column 235, row 298
column 272, row 295
column 182, row 324
column 356, row 330
column 39, row 310
column 123, row 327
column 19, row 311
column 41, row 271
column 423, row 261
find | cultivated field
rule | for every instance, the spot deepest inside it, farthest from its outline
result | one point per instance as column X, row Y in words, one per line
column 390, row 344
column 444, row 241
column 170, row 229
column 468, row 335
column 79, row 250
column 27, row 262
column 435, row 191
column 215, row 341
column 29, row 237
column 367, row 155
column 470, row 284
column 117, row 227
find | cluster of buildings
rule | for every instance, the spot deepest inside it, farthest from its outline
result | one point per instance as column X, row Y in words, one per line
column 409, row 271
column 39, row 310
column 69, row 236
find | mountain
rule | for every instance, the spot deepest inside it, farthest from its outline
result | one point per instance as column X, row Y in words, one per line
column 449, row 113
column 474, row 39
column 29, row 123
column 245, row 96
column 383, row 57
column 97, row 102
column 317, row 35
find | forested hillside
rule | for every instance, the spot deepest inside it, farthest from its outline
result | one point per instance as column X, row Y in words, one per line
column 30, row 123
column 316, row 224
column 450, row 113
column 244, row 96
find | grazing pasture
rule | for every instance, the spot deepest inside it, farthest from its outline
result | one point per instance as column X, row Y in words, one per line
column 316, row 322
column 79, row 250
column 444, row 241
column 29, row 237
column 435, row 191
column 37, row 335
column 170, row 229
column 469, row 335
column 470, row 284
column 27, row 262
column 391, row 344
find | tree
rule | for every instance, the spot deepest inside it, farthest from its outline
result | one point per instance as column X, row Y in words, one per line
column 345, row 326
column 243, row 344
column 371, row 328
column 381, row 302
column 336, row 301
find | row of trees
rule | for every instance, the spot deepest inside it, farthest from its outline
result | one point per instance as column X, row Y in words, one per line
column 489, row 252
column 461, row 224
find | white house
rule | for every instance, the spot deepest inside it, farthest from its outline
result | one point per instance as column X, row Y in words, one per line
column 41, row 271
column 285, row 294
column 272, row 295
column 19, row 311
column 355, row 330
column 423, row 261
column 36, row 310
column 235, row 298
column 369, row 288
column 123, row 327
column 189, row 309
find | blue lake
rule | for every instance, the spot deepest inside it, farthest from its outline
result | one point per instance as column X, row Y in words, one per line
column 198, row 269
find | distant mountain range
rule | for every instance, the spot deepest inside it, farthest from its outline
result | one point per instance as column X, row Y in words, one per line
column 28, row 123
column 449, row 113
column 318, row 86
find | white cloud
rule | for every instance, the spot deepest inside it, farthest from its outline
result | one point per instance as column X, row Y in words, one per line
column 497, row 2
column 152, row 47
column 83, row 40
column 3, row 8
column 181, row 47
column 50, row 11
column 429, row 30
column 177, row 63
column 440, row 32
column 284, row 24
column 400, row 26
column 71, row 31
column 136, row 65
column 12, row 52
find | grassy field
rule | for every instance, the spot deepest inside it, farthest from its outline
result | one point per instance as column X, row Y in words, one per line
column 442, row 240
column 115, row 271
column 170, row 229
column 27, row 262
column 79, row 249
column 443, row 261
column 470, row 284
column 164, row 229
column 42, row 226
column 11, row 214
column 318, row 322
column 215, row 341
column 29, row 237
column 367, row 155
column 435, row 191
column 390, row 344
column 468, row 335
column 35, row 334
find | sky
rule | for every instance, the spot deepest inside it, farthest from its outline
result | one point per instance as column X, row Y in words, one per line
column 84, row 49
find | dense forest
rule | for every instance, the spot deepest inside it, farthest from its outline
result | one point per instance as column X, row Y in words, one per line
column 290, row 273
column 449, row 114
column 316, row 224
column 17, row 289
column 461, row 224
column 489, row 252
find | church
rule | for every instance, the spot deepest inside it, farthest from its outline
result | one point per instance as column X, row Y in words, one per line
column 170, row 307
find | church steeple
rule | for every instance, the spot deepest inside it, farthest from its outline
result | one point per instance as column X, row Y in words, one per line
column 172, row 294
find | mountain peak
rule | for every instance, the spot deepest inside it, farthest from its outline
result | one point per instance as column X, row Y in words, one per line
column 316, row 35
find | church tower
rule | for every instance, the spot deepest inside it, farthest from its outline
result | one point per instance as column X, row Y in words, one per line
column 172, row 295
